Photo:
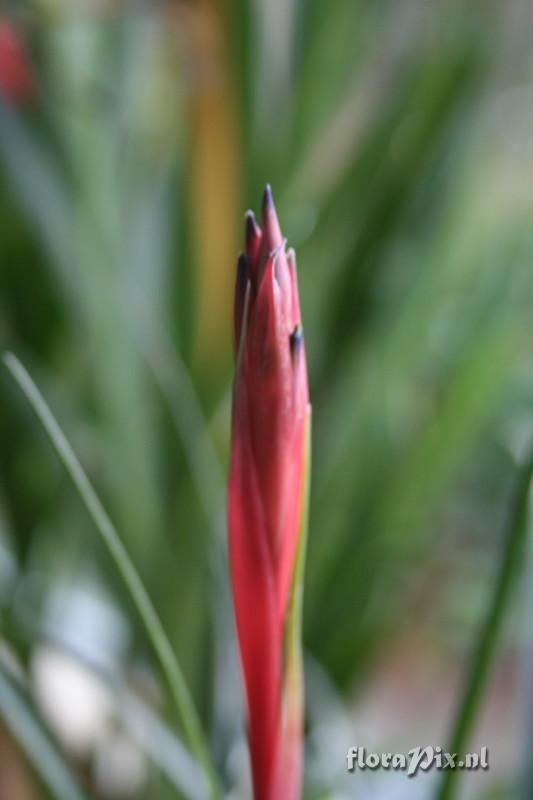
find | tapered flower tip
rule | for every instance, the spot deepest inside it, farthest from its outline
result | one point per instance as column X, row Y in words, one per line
column 253, row 237
column 269, row 218
column 268, row 200
column 252, row 228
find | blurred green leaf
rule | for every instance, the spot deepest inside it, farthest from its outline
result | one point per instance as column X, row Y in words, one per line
column 49, row 765
column 514, row 550
column 169, row 666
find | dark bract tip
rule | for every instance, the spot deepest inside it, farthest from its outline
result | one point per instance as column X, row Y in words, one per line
column 296, row 340
column 252, row 230
column 268, row 200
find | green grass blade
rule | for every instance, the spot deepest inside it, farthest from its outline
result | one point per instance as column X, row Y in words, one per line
column 31, row 737
column 512, row 557
column 170, row 669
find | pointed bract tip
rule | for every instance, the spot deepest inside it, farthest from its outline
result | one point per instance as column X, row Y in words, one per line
column 271, row 230
column 252, row 228
column 296, row 339
column 268, row 200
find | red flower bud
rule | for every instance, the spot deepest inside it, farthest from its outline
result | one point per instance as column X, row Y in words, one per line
column 16, row 79
column 266, row 487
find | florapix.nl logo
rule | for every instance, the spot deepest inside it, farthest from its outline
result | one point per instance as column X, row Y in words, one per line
column 418, row 758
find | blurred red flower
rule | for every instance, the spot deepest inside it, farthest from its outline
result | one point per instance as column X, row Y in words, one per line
column 16, row 77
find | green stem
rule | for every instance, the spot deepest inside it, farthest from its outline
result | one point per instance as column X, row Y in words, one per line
column 512, row 556
column 170, row 669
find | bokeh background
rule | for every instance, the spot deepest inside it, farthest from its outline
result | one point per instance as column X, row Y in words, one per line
column 397, row 136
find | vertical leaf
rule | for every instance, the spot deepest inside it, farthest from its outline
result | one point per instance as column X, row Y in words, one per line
column 170, row 669
column 485, row 648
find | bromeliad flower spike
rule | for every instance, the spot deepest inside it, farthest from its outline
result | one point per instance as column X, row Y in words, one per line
column 267, row 502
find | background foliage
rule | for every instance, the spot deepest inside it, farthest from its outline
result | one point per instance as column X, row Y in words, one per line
column 396, row 136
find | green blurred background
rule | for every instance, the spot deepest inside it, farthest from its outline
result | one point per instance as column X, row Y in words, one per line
column 397, row 136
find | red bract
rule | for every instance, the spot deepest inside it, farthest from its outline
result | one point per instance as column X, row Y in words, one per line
column 266, row 489
column 16, row 79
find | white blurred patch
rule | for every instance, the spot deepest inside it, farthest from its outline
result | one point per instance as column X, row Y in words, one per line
column 77, row 705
